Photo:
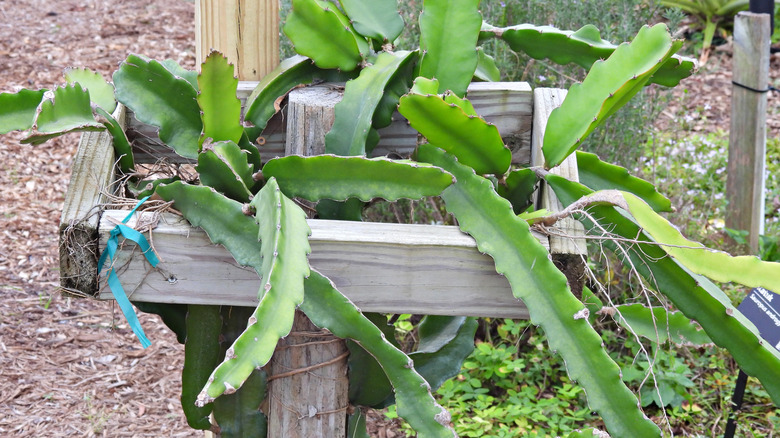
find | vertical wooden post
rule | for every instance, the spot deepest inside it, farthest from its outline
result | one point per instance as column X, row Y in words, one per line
column 308, row 384
column 568, row 249
column 245, row 31
column 747, row 138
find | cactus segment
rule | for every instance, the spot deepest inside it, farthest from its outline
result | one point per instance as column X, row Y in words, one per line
column 544, row 289
column 201, row 355
column 425, row 86
column 123, row 150
column 746, row 270
column 583, row 47
column 101, row 93
column 191, row 76
column 265, row 100
column 659, row 325
column 377, row 19
column 340, row 178
column 173, row 315
column 320, row 31
column 368, row 383
column 219, row 105
column 284, row 240
column 18, row 110
column 160, row 99
column 600, row 175
column 486, row 67
column 475, row 142
column 355, row 112
column 518, row 188
column 464, row 104
column 224, row 167
column 396, row 87
column 238, row 414
column 448, row 35
column 328, row 308
column 68, row 110
column 356, row 425
column 587, row 433
column 445, row 342
column 220, row 217
column 606, row 88
column 696, row 296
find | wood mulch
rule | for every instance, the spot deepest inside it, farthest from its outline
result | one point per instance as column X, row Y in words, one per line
column 72, row 367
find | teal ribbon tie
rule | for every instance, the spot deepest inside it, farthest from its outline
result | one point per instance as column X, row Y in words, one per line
column 113, row 281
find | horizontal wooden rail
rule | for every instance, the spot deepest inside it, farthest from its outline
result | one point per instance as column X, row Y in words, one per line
column 389, row 268
column 508, row 105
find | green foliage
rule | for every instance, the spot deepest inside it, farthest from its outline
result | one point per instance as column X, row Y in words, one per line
column 201, row 355
column 600, row 175
column 160, row 99
column 199, row 118
column 659, row 325
column 355, row 112
column 283, row 232
column 448, row 36
column 221, row 110
column 327, row 307
column 321, row 32
column 220, row 217
column 68, row 110
column 513, row 385
column 473, row 141
column 18, row 110
column 544, row 289
column 223, row 166
column 696, row 296
column 101, row 93
column 608, row 86
column 583, row 47
column 377, row 19
column 666, row 381
column 711, row 13
column 340, row 178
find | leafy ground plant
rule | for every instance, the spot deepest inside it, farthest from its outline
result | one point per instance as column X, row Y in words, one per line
column 246, row 204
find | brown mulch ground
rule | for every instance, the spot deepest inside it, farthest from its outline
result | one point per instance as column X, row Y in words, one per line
column 71, row 367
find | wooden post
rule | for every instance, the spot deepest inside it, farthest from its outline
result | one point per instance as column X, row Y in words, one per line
column 747, row 138
column 245, row 31
column 92, row 177
column 308, row 385
column 567, row 249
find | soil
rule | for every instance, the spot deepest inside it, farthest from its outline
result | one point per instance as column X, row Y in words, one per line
column 72, row 367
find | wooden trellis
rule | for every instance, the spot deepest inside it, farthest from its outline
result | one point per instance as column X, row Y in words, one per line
column 389, row 268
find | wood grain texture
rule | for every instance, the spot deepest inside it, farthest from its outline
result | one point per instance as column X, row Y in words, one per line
column 92, row 175
column 245, row 31
column 747, row 137
column 506, row 104
column 310, row 113
column 389, row 268
column 308, row 388
column 567, row 244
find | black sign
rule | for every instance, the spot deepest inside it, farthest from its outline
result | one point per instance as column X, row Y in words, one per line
column 762, row 308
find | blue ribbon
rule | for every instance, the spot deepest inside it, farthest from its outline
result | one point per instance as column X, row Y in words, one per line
column 113, row 280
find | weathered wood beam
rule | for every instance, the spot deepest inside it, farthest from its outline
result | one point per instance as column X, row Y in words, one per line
column 92, row 175
column 390, row 268
column 567, row 244
column 506, row 104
